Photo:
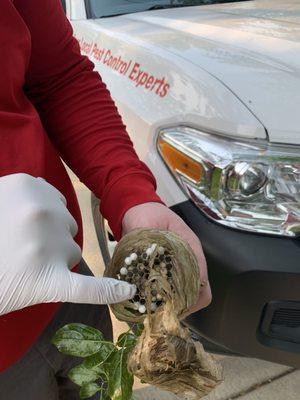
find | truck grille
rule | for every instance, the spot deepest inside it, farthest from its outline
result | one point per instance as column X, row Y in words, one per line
column 280, row 325
column 286, row 317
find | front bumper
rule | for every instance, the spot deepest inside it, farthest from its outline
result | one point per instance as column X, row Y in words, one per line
column 255, row 282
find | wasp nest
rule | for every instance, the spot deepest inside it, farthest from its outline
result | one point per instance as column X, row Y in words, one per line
column 165, row 271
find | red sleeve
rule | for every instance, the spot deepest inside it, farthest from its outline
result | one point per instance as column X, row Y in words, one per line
column 79, row 115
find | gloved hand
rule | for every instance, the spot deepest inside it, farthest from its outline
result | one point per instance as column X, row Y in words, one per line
column 37, row 250
column 156, row 215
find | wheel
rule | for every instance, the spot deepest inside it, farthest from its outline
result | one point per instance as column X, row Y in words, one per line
column 105, row 238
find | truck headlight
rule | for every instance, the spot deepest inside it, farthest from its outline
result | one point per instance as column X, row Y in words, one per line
column 254, row 186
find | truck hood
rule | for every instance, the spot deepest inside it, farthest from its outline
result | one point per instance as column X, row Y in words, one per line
column 252, row 47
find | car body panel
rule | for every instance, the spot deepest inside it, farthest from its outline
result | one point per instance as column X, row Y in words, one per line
column 191, row 91
column 285, row 11
column 228, row 47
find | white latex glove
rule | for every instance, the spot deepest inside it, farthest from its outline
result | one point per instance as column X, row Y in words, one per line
column 37, row 250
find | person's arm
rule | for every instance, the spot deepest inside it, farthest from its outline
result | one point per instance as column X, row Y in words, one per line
column 80, row 116
column 85, row 127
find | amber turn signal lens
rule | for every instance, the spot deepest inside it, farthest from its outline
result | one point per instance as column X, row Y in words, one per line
column 180, row 162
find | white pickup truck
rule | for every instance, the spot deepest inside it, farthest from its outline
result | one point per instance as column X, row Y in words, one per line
column 210, row 93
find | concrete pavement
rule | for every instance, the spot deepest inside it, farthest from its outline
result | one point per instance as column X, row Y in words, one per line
column 245, row 378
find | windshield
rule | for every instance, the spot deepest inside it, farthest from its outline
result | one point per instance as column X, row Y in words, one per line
column 108, row 8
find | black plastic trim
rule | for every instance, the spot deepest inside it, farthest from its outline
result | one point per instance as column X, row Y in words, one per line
column 88, row 9
column 63, row 2
column 280, row 332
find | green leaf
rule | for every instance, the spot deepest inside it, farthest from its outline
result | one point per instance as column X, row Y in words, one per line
column 89, row 389
column 100, row 357
column 82, row 375
column 120, row 381
column 78, row 340
column 126, row 339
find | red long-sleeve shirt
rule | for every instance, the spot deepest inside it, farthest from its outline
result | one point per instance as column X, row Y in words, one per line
column 52, row 105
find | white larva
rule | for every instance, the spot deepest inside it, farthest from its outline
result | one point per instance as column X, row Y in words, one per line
column 153, row 246
column 153, row 306
column 149, row 252
column 133, row 256
column 127, row 260
column 136, row 305
column 142, row 309
column 161, row 250
column 123, row 271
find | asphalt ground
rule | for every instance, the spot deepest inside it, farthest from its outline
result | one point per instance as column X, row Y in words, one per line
column 245, row 378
